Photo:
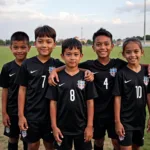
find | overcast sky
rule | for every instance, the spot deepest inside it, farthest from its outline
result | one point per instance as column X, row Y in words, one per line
column 122, row 18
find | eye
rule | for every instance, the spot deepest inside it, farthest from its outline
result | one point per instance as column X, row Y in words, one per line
column 15, row 47
column 49, row 42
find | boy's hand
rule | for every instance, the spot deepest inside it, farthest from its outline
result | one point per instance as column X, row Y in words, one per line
column 88, row 76
column 57, row 134
column 88, row 134
column 119, row 129
column 148, row 125
column 51, row 79
column 6, row 120
column 23, row 123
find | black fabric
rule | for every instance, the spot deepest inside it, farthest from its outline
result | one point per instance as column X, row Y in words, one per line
column 12, row 146
column 78, row 140
column 33, row 75
column 13, row 131
column 132, row 87
column 37, row 130
column 8, row 76
column 104, row 81
column 71, row 95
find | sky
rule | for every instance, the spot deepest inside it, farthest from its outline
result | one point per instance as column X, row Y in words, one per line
column 70, row 18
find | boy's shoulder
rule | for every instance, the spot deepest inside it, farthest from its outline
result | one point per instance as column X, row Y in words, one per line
column 8, row 64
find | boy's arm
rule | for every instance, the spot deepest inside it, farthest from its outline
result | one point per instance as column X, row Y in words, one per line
column 88, row 133
column 21, row 103
column 148, row 104
column 53, row 115
column 6, row 119
column 118, row 126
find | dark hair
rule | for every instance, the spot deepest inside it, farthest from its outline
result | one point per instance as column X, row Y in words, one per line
column 133, row 39
column 102, row 32
column 45, row 31
column 19, row 36
column 71, row 43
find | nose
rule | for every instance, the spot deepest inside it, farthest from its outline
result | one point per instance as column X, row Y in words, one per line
column 44, row 44
column 132, row 54
column 19, row 49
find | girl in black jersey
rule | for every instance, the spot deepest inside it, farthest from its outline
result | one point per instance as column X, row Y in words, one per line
column 130, row 90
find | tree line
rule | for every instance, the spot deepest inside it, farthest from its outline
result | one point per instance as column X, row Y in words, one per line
column 59, row 42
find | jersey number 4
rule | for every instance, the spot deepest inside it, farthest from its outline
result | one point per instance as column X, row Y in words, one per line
column 106, row 83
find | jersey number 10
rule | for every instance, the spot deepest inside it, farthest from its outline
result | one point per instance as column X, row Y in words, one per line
column 138, row 91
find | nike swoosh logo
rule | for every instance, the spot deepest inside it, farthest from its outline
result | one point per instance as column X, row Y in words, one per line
column 127, row 81
column 33, row 71
column 95, row 72
column 61, row 84
column 12, row 74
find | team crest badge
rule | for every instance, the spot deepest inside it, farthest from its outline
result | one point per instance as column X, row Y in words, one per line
column 81, row 84
column 7, row 129
column 146, row 80
column 24, row 133
column 113, row 71
column 51, row 69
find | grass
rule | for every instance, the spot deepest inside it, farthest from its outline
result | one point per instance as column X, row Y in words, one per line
column 6, row 56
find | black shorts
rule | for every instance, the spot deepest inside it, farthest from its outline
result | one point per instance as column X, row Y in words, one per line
column 78, row 141
column 101, row 125
column 37, row 130
column 13, row 131
column 132, row 137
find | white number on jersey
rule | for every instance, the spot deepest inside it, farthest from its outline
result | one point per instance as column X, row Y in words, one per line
column 72, row 95
column 44, row 78
column 106, row 83
column 138, row 91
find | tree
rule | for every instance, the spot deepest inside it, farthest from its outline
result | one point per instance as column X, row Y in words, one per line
column 2, row 42
column 89, row 42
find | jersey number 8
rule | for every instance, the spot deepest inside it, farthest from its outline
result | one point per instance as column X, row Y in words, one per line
column 72, row 95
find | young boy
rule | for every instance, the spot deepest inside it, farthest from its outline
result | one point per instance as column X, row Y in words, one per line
column 19, row 47
column 71, row 105
column 34, row 120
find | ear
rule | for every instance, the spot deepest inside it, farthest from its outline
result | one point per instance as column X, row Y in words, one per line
column 35, row 43
column 10, row 47
column 112, row 45
column 81, row 56
column 62, row 56
column 54, row 45
column 29, row 48
column 93, row 48
column 142, row 52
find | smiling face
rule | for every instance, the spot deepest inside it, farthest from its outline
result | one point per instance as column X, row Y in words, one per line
column 45, row 45
column 72, row 57
column 102, row 46
column 133, row 53
column 20, row 49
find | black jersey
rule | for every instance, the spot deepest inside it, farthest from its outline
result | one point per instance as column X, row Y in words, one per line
column 33, row 75
column 8, row 76
column 71, row 95
column 132, row 87
column 104, row 76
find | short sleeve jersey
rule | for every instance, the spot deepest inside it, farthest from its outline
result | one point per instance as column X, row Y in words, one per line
column 71, row 95
column 33, row 75
column 133, row 88
column 104, row 76
column 8, row 76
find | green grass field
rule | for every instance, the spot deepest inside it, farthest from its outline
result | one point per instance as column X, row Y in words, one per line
column 5, row 56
